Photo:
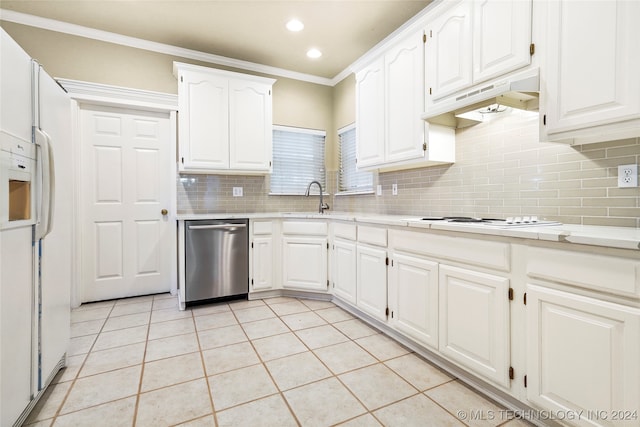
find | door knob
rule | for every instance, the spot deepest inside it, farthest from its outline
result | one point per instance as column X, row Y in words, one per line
column 164, row 211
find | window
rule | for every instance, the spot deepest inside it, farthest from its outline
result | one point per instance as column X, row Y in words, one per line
column 298, row 159
column 350, row 179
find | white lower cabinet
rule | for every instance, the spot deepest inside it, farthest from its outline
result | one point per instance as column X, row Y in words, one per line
column 262, row 255
column 371, row 278
column 344, row 270
column 474, row 321
column 583, row 355
column 262, row 263
column 304, row 263
column 304, row 255
column 413, row 297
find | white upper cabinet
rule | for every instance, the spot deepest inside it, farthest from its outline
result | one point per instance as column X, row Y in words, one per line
column 389, row 101
column 501, row 37
column 370, row 115
column 448, row 53
column 224, row 121
column 250, row 125
column 404, row 131
column 473, row 42
column 591, row 71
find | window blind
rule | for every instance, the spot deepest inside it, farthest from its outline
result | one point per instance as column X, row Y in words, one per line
column 350, row 178
column 298, row 159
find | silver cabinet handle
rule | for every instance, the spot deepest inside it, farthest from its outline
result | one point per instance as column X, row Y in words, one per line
column 211, row 227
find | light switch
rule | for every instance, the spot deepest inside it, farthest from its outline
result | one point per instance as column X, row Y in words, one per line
column 237, row 191
column 379, row 190
column 394, row 189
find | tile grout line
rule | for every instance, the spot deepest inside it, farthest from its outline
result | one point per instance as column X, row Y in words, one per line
column 264, row 366
column 204, row 370
column 77, row 375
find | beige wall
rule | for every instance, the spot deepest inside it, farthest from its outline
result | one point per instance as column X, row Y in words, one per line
column 295, row 103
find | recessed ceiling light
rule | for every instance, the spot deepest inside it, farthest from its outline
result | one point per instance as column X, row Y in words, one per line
column 314, row 53
column 295, row 25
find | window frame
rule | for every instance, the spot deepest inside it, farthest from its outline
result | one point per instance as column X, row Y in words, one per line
column 339, row 192
column 307, row 131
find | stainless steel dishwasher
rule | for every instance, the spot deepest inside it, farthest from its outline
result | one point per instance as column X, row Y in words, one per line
column 216, row 259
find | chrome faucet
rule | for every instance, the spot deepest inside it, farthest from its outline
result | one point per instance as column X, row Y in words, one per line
column 323, row 205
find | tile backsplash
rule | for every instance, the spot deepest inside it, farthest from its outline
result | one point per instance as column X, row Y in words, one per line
column 501, row 170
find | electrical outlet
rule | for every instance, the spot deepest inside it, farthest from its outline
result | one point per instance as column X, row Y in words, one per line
column 394, row 189
column 379, row 190
column 627, row 176
column 237, row 191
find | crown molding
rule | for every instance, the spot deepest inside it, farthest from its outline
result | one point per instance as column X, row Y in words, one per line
column 96, row 93
column 105, row 36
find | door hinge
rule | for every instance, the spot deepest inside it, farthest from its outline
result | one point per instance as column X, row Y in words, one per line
column 525, row 381
column 182, row 159
column 424, row 146
column 386, row 261
column 327, row 283
column 181, row 79
column 252, row 281
column 424, row 38
column 544, row 119
column 386, row 312
column 327, row 245
column 524, row 299
column 532, row 48
column 429, row 91
column 392, row 314
column 430, row 33
column 269, row 91
column 251, row 245
column 510, row 294
column 511, row 372
column 269, row 163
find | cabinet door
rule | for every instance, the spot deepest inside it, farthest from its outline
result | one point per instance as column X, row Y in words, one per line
column 501, row 37
column 592, row 75
column 371, row 278
column 262, row 263
column 571, row 338
column 474, row 321
column 304, row 263
column 344, row 270
column 404, row 100
column 448, row 52
column 413, row 297
column 250, row 125
column 203, row 121
column 370, row 115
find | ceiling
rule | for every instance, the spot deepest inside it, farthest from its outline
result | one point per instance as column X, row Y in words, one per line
column 247, row 30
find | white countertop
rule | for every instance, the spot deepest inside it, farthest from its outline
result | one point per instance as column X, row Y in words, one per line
column 611, row 237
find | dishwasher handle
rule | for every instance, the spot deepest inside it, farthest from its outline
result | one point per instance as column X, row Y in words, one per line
column 216, row 226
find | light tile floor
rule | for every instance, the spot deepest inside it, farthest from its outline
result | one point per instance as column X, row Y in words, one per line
column 274, row 362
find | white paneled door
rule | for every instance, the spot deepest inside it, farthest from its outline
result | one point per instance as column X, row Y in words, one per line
column 126, row 232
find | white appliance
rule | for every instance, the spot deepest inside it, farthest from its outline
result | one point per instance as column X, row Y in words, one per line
column 35, row 234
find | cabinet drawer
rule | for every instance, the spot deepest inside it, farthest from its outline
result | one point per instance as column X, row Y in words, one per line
column 306, row 228
column 372, row 235
column 345, row 231
column 592, row 271
column 483, row 253
column 263, row 227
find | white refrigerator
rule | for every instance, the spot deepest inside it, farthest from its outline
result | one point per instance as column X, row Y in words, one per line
column 35, row 251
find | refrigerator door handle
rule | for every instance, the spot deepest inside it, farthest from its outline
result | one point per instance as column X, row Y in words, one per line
column 47, row 188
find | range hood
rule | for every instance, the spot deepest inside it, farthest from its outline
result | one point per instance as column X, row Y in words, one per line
column 518, row 90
